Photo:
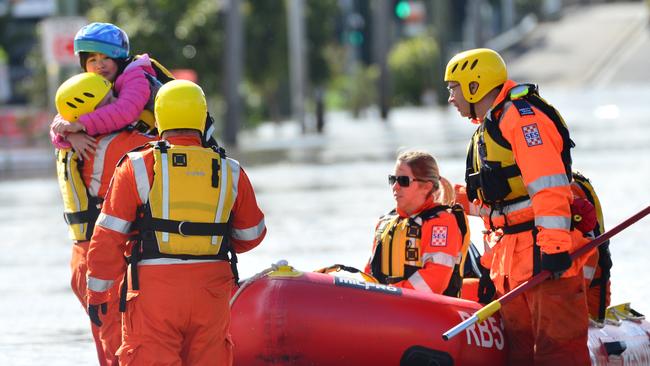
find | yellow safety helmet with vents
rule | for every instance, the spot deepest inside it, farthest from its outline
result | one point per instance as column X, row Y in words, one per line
column 180, row 104
column 481, row 65
column 80, row 95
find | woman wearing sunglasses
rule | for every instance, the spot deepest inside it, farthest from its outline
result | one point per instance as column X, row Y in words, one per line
column 422, row 243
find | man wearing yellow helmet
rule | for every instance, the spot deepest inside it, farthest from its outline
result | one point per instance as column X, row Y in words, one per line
column 83, row 180
column 518, row 178
column 192, row 207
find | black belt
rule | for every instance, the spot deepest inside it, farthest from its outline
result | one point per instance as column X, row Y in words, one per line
column 189, row 228
column 519, row 228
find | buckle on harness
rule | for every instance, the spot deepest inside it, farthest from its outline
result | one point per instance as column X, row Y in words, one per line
column 180, row 225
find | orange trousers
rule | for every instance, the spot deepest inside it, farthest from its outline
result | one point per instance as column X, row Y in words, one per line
column 548, row 324
column 179, row 316
column 107, row 337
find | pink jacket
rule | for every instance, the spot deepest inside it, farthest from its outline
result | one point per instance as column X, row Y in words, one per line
column 132, row 89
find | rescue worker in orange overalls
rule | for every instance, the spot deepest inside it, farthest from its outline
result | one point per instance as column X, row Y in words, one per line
column 518, row 180
column 191, row 206
column 83, row 184
column 422, row 243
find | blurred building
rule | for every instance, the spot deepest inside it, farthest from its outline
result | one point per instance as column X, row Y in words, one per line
column 18, row 22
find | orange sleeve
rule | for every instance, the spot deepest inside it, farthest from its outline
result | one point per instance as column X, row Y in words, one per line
column 537, row 146
column 248, row 223
column 108, row 244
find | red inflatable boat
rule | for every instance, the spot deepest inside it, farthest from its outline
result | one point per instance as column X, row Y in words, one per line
column 287, row 317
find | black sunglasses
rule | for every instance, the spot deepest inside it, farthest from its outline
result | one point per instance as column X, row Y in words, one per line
column 402, row 180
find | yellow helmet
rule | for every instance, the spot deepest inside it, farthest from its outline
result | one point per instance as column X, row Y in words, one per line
column 180, row 104
column 481, row 65
column 80, row 95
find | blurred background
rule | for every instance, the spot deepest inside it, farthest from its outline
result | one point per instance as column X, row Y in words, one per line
column 316, row 98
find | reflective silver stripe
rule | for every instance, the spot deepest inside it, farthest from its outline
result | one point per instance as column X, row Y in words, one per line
column 209, row 131
column 418, row 283
column 141, row 177
column 160, row 261
column 249, row 234
column 113, row 223
column 441, row 258
column 234, row 166
column 553, row 222
column 99, row 285
column 589, row 272
column 223, row 179
column 98, row 164
column 548, row 181
column 165, row 193
column 234, row 175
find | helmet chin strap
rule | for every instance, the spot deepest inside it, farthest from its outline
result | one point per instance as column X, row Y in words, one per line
column 472, row 111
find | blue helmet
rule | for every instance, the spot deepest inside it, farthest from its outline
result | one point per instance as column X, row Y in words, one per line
column 104, row 38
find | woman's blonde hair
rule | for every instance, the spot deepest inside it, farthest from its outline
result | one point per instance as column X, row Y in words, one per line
column 425, row 167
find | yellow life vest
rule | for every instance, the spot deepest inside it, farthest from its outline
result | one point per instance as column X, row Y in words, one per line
column 400, row 241
column 492, row 174
column 81, row 203
column 80, row 209
column 187, row 209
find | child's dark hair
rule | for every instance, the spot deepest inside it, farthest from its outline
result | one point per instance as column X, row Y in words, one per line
column 121, row 62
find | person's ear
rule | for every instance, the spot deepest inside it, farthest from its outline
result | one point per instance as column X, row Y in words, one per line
column 473, row 87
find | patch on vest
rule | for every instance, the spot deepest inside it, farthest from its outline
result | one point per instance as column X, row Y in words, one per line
column 438, row 236
column 523, row 107
column 531, row 133
column 179, row 160
column 412, row 254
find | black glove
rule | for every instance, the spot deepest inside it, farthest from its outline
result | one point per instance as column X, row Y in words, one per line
column 93, row 313
column 556, row 263
column 486, row 289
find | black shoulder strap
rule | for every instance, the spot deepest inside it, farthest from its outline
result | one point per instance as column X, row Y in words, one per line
column 459, row 213
column 432, row 212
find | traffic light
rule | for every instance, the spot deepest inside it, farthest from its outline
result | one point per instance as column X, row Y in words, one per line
column 402, row 9
column 410, row 16
column 355, row 27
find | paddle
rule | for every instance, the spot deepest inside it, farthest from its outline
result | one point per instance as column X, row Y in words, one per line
column 495, row 305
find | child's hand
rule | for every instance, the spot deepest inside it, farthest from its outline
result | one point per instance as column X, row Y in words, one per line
column 82, row 143
column 63, row 127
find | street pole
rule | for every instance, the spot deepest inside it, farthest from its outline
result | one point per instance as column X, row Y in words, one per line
column 55, row 72
column 441, row 19
column 475, row 20
column 381, row 44
column 297, row 65
column 233, row 72
column 508, row 14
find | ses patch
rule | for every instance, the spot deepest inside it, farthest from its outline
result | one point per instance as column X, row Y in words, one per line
column 438, row 236
column 531, row 134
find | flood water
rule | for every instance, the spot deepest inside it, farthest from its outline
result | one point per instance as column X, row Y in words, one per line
column 322, row 196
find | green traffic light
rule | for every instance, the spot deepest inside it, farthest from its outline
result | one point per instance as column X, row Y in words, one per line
column 403, row 9
column 355, row 38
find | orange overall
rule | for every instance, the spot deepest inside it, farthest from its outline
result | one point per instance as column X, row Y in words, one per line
column 548, row 324
column 180, row 314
